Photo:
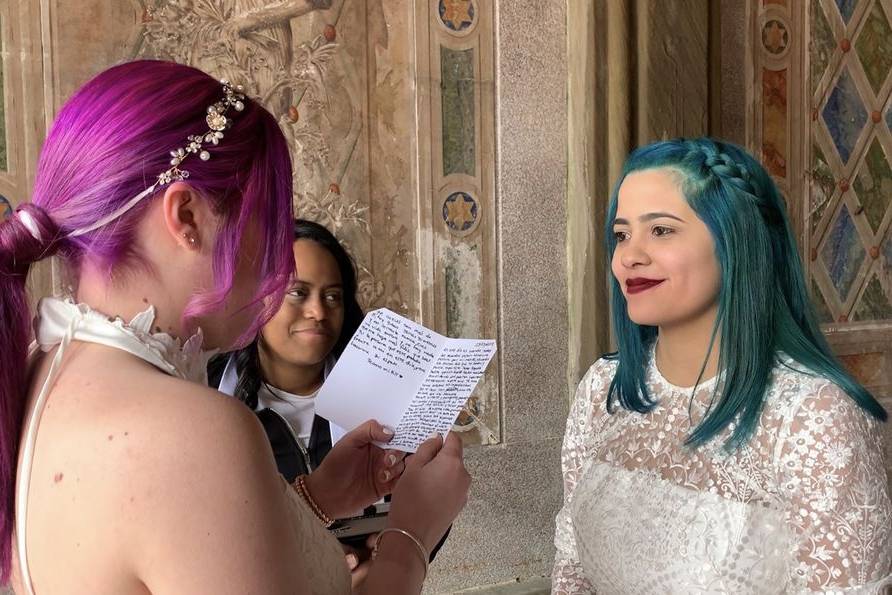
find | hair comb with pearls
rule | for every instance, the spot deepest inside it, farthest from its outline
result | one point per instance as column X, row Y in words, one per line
column 217, row 121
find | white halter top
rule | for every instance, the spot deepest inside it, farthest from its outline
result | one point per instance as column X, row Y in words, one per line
column 59, row 323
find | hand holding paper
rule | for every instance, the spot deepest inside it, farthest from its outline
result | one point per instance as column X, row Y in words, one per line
column 405, row 376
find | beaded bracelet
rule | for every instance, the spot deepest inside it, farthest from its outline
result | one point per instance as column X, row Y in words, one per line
column 300, row 485
column 421, row 550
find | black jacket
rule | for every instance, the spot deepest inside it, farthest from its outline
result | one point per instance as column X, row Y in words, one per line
column 292, row 459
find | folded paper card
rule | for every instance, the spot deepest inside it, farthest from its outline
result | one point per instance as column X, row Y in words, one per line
column 404, row 375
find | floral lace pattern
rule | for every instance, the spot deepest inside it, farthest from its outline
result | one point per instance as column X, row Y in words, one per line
column 804, row 506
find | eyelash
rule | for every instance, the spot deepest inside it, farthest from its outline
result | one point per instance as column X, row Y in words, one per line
column 301, row 293
column 621, row 236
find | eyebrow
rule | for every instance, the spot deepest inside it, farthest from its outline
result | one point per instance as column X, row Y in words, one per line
column 298, row 282
column 648, row 217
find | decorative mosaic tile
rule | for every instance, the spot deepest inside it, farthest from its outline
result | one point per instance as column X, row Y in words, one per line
column 874, row 47
column 822, row 311
column 457, row 15
column 5, row 208
column 844, row 115
column 843, row 253
column 457, row 88
column 453, row 298
column 873, row 184
column 460, row 212
column 774, row 121
column 821, row 45
column 874, row 303
column 822, row 186
column 846, row 8
column 867, row 368
column 461, row 264
column 472, row 407
column 887, row 254
column 775, row 37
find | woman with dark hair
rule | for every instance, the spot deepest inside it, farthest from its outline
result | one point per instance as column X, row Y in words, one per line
column 167, row 194
column 723, row 448
column 279, row 372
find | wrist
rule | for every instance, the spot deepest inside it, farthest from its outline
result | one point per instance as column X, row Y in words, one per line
column 423, row 531
column 402, row 548
column 316, row 498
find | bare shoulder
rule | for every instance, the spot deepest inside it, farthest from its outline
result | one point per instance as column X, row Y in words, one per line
column 142, row 476
column 188, row 411
column 201, row 478
column 186, row 435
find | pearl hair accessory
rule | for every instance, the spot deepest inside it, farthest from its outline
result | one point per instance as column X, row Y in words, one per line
column 217, row 121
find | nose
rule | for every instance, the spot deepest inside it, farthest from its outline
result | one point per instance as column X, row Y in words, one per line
column 632, row 253
column 314, row 309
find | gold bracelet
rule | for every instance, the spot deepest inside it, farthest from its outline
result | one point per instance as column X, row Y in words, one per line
column 300, row 486
column 421, row 550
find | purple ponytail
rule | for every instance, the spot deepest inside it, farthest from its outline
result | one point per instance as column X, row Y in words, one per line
column 109, row 143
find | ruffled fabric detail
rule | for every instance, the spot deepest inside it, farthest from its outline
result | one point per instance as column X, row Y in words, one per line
column 184, row 360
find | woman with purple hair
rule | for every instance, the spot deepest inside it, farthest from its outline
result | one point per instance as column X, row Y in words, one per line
column 168, row 196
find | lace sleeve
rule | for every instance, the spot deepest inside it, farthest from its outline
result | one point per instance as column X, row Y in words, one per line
column 830, row 455
column 568, row 576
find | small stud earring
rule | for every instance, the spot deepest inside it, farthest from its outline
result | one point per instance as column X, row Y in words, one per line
column 190, row 238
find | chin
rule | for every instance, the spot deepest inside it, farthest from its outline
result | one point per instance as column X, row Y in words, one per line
column 645, row 318
column 308, row 359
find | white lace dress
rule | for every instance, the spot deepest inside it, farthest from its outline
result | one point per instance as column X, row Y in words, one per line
column 803, row 507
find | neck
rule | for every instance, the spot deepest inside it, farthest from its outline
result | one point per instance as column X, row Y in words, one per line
column 291, row 378
column 126, row 300
column 682, row 349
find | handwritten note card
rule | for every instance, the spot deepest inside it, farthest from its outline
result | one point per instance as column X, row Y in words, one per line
column 404, row 375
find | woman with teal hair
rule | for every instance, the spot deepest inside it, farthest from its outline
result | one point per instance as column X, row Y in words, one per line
column 722, row 449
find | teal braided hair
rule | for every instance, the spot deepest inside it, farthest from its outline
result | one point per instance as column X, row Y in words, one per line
column 763, row 305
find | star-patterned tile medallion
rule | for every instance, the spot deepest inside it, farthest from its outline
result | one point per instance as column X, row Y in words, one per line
column 457, row 15
column 775, row 37
column 460, row 212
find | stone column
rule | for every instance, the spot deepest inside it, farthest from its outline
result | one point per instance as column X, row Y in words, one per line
column 506, row 531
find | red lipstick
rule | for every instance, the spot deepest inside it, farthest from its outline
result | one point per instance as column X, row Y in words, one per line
column 639, row 284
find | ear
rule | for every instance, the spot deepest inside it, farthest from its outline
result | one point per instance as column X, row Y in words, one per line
column 187, row 216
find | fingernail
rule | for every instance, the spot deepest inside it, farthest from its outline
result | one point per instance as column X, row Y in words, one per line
column 391, row 460
column 387, row 430
column 352, row 561
column 434, row 435
column 385, row 476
